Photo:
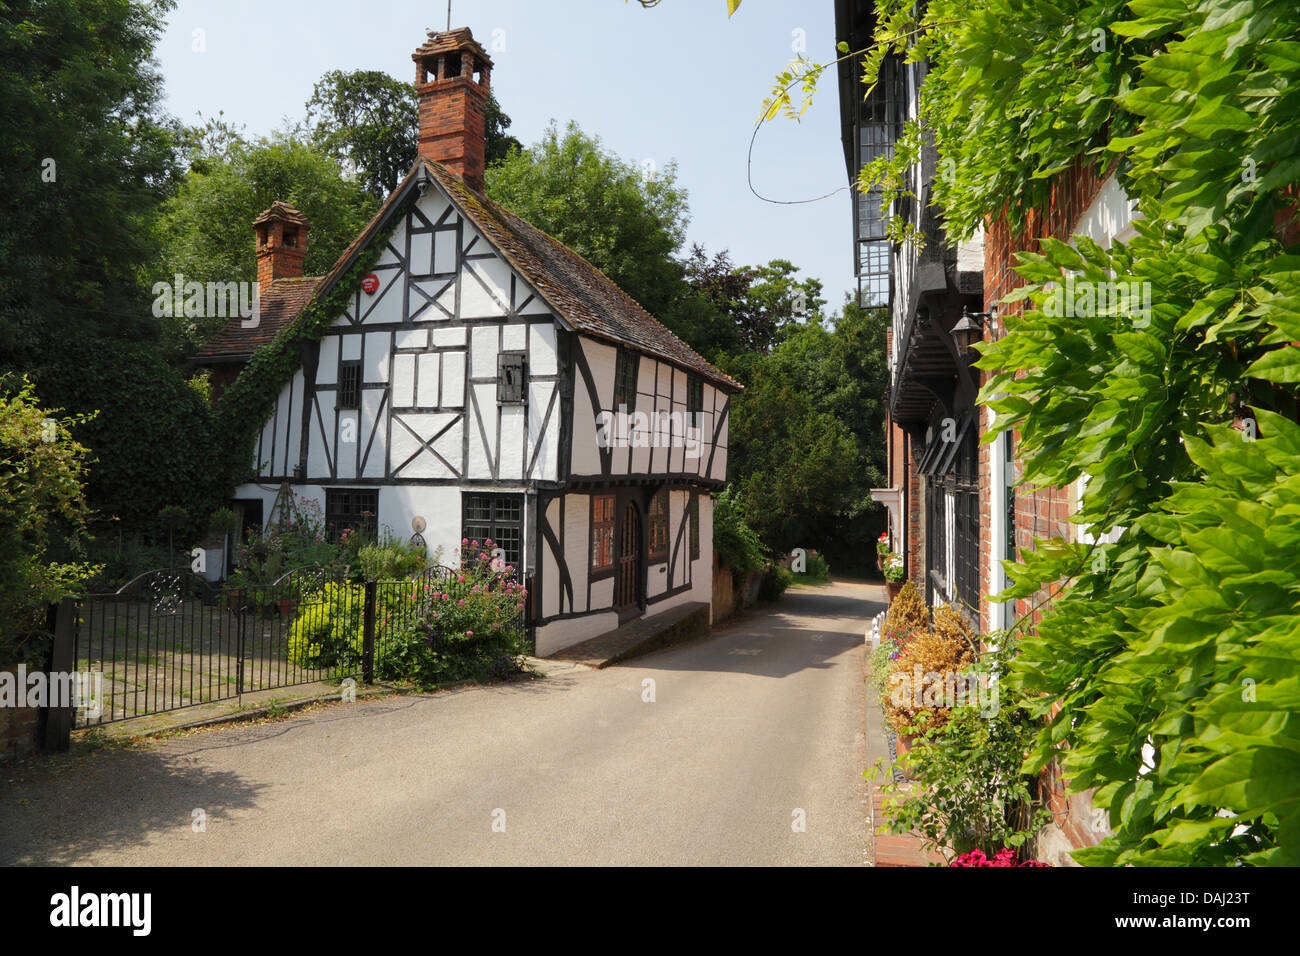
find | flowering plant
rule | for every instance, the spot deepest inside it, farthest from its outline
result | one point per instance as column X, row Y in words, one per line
column 894, row 571
column 1004, row 857
column 882, row 544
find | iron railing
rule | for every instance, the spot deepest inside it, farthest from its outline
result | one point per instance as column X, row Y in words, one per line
column 169, row 640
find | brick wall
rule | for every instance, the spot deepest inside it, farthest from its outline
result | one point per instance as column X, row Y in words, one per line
column 19, row 729
column 453, row 126
column 1041, row 513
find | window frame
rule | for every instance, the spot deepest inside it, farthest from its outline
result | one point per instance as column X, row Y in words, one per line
column 336, row 517
column 496, row 522
column 626, row 368
column 693, row 515
column 657, row 526
column 348, row 396
column 604, row 508
column 695, row 401
column 518, row 394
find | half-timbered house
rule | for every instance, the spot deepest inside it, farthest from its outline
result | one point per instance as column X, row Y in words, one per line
column 488, row 382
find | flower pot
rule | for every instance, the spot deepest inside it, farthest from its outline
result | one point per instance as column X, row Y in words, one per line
column 893, row 587
column 902, row 744
column 880, row 561
column 287, row 607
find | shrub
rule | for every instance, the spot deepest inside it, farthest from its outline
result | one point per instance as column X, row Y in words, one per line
column 968, row 790
column 907, row 612
column 329, row 632
column 940, row 658
column 734, row 542
column 464, row 626
column 817, row 571
column 881, row 659
column 775, row 580
column 42, row 522
column 392, row 560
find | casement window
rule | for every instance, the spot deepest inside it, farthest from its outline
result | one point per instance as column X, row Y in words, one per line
column 659, row 525
column 510, row 377
column 694, row 401
column 355, row 509
column 496, row 517
column 349, row 385
column 1009, row 492
column 602, row 532
column 625, row 381
column 695, row 527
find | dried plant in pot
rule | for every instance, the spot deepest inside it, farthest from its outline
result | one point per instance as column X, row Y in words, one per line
column 923, row 681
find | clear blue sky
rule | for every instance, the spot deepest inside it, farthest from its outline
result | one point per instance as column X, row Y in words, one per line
column 679, row 81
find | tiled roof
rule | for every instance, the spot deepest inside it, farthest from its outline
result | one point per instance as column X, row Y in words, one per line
column 579, row 292
column 282, row 303
column 582, row 295
column 450, row 41
column 283, row 211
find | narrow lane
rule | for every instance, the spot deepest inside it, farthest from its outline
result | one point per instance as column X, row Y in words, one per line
column 750, row 729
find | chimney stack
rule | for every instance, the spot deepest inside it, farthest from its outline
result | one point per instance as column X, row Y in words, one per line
column 281, row 244
column 451, row 80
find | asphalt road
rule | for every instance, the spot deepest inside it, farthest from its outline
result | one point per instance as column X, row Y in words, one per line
column 751, row 730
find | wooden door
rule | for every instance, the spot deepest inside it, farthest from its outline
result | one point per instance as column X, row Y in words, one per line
column 627, row 591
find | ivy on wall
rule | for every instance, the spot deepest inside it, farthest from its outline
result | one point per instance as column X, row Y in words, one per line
column 249, row 401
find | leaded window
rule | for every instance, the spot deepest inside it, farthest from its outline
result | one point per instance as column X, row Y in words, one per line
column 495, row 518
column 659, row 525
column 351, row 509
column 602, row 532
column 625, row 381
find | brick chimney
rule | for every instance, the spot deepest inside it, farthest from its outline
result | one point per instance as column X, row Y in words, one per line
column 451, row 80
column 281, row 244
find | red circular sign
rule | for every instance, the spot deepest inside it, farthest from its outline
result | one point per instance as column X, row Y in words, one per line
column 370, row 283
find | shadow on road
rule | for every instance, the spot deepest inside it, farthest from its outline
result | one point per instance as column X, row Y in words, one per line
column 129, row 794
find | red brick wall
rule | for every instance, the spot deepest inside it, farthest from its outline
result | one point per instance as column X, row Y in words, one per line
column 1042, row 512
column 19, row 730
column 1039, row 512
column 275, row 260
column 453, row 127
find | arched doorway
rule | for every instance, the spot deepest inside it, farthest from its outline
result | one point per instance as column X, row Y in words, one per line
column 627, row 588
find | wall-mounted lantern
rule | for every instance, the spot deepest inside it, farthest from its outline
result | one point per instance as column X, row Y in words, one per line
column 970, row 329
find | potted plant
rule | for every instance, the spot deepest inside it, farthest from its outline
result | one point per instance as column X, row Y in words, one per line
column 882, row 549
column 894, row 574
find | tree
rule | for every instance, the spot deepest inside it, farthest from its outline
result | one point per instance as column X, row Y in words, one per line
column 205, row 231
column 88, row 157
column 369, row 121
column 793, row 465
column 624, row 222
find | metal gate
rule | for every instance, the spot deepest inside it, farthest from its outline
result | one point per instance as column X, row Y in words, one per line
column 168, row 639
